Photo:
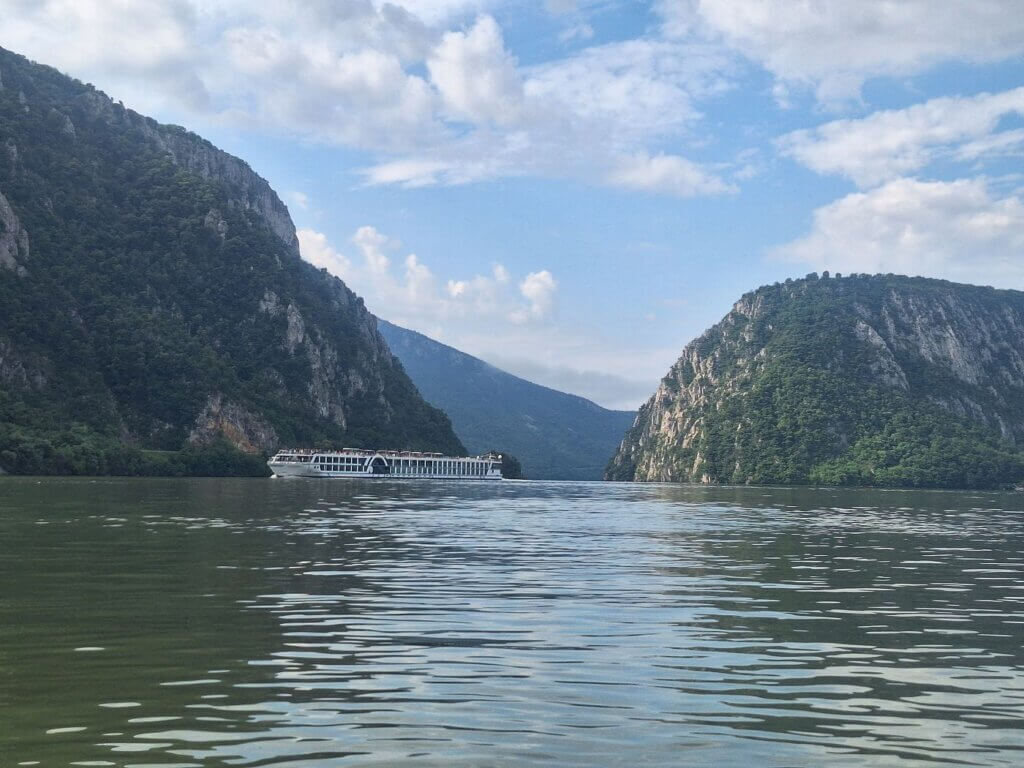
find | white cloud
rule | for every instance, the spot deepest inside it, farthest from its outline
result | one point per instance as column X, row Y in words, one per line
column 476, row 76
column 892, row 143
column 538, row 288
column 155, row 42
column 589, row 117
column 835, row 45
column 405, row 290
column 667, row 174
column 581, row 31
column 439, row 11
column 559, row 7
column 429, row 103
column 631, row 91
column 360, row 98
column 373, row 245
column 410, row 173
column 954, row 230
column 315, row 249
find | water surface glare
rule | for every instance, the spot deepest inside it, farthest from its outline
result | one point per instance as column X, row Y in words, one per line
column 347, row 623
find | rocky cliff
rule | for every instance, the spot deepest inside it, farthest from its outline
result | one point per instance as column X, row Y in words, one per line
column 877, row 380
column 152, row 295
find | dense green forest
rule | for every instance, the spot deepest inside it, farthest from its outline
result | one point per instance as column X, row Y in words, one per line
column 864, row 380
column 149, row 273
column 511, row 468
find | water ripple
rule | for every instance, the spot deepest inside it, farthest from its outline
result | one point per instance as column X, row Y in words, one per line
column 251, row 623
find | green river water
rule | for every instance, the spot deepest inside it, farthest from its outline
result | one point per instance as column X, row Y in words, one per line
column 352, row 623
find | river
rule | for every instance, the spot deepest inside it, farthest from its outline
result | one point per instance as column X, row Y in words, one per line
column 352, row 623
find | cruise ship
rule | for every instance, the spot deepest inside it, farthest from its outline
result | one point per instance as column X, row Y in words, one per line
column 358, row 463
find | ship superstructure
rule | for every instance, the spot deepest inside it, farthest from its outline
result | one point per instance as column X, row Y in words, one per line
column 359, row 463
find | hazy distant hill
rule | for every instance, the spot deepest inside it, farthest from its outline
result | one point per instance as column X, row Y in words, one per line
column 862, row 380
column 554, row 435
column 152, row 297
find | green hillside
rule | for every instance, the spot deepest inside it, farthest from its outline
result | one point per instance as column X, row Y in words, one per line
column 153, row 297
column 553, row 434
column 863, row 380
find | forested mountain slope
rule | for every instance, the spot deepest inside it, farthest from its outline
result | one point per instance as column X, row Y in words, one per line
column 554, row 435
column 864, row 380
column 152, row 296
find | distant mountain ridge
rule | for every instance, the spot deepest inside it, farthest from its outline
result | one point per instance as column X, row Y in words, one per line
column 152, row 297
column 554, row 435
column 862, row 380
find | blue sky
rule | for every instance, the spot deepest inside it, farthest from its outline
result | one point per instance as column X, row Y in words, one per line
column 574, row 189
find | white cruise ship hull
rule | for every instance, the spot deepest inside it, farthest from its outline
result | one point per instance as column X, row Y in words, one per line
column 384, row 465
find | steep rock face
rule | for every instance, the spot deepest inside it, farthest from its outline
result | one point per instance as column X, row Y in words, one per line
column 799, row 378
column 164, row 301
column 14, row 247
column 245, row 430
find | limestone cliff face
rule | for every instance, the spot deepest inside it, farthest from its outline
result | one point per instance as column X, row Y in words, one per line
column 14, row 247
column 245, row 430
column 164, row 301
column 332, row 383
column 829, row 351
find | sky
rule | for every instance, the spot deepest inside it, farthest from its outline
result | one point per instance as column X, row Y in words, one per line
column 572, row 190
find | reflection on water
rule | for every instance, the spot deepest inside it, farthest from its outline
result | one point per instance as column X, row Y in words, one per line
column 258, row 623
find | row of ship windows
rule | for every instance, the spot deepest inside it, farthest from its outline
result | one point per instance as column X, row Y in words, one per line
column 408, row 466
column 444, row 468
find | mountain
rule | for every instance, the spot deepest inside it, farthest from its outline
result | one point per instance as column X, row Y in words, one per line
column 554, row 435
column 862, row 380
column 152, row 296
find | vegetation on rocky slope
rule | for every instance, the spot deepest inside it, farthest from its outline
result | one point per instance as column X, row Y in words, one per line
column 556, row 436
column 151, row 297
column 863, row 380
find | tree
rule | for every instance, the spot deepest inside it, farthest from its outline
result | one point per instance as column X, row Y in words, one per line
column 511, row 469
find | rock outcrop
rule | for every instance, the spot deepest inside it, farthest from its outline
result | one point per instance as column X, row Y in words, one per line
column 805, row 374
column 221, row 419
column 14, row 246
